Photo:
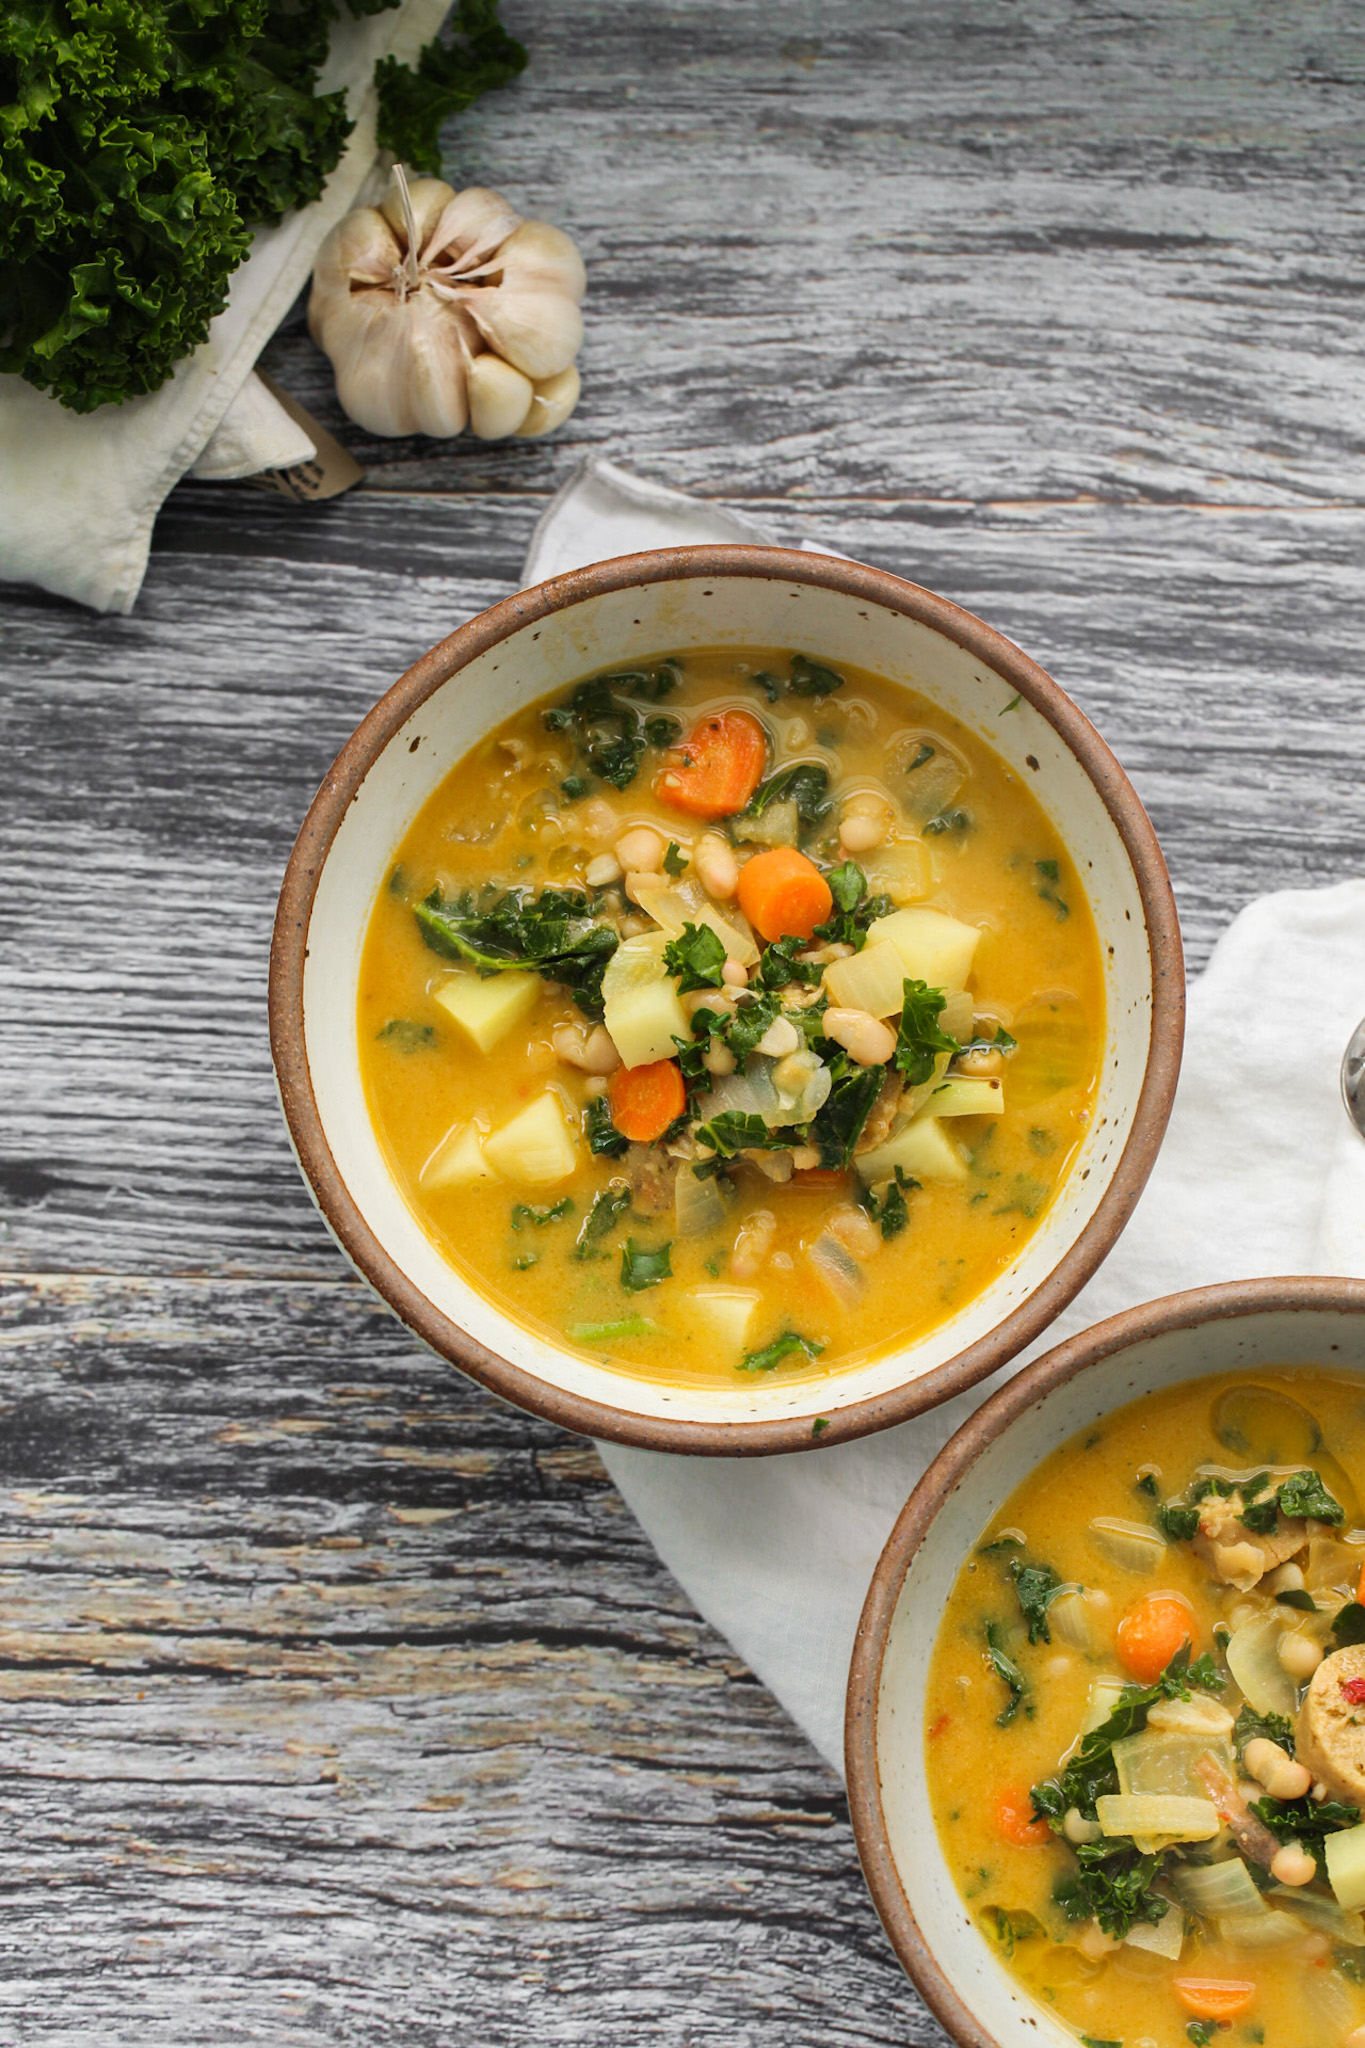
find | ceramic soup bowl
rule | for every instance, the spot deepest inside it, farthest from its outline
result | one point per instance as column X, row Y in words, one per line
column 606, row 616
column 1244, row 1325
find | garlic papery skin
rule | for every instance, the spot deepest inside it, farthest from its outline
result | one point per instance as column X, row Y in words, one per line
column 441, row 309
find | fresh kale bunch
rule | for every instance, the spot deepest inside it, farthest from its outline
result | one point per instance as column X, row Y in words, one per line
column 142, row 140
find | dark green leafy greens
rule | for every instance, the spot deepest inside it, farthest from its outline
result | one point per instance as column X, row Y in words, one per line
column 737, row 1131
column 524, row 1213
column 1005, row 1669
column 854, row 909
column 779, row 966
column 406, row 1035
column 1305, row 1820
column 1349, row 1625
column 890, row 1211
column 1037, row 1586
column 476, row 56
column 838, row 1124
column 770, row 1355
column 609, row 1206
column 142, row 140
column 608, row 731
column 552, row 933
column 1274, row 1727
column 806, row 784
column 919, row 1039
column 603, row 1137
column 1113, row 1886
column 812, row 679
column 644, row 1265
column 696, row 957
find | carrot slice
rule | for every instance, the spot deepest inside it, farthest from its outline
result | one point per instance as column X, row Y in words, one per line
column 645, row 1100
column 1151, row 1632
column 1213, row 1998
column 1014, row 1819
column 714, row 771
column 783, row 894
column 1360, row 1588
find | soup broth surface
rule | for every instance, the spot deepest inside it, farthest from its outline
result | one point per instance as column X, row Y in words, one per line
column 533, row 808
column 1109, row 1513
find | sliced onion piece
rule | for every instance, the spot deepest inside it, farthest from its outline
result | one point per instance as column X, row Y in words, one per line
column 1216, row 1890
column 1134, row 1546
column 1166, row 1939
column 837, row 1269
column 1322, row 1912
column 1070, row 1615
column 698, row 1204
column 1254, row 1664
column 1155, row 1814
column 1265, row 1929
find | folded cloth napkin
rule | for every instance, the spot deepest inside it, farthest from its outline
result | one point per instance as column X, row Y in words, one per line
column 79, row 492
column 1260, row 1174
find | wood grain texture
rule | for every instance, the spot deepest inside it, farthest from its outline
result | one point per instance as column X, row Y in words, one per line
column 340, row 1702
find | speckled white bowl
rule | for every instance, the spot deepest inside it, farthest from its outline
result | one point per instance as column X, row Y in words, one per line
column 1243, row 1325
column 619, row 612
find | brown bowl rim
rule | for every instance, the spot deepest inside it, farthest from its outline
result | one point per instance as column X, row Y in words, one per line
column 1187, row 1310
column 343, row 1213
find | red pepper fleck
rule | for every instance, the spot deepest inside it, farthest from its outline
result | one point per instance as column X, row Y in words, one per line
column 1353, row 1689
column 939, row 1726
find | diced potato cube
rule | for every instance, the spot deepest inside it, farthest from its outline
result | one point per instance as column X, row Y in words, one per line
column 730, row 1312
column 872, row 980
column 968, row 1095
column 457, row 1160
column 922, row 1150
column 935, row 948
column 640, row 997
column 535, row 1146
column 487, row 1010
column 1345, row 1853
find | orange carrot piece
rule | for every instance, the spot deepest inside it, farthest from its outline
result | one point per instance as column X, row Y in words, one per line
column 1214, row 1998
column 943, row 1721
column 714, row 771
column 1152, row 1631
column 645, row 1100
column 1014, row 1819
column 1360, row 1588
column 783, row 894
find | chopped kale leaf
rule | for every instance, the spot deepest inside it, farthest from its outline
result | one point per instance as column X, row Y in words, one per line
column 838, row 1123
column 609, row 1206
column 603, row 1136
column 748, row 1023
column 1037, row 1586
column 924, row 752
column 1305, row 1820
column 696, row 957
column 644, row 1265
column 406, row 1035
column 806, row 784
column 674, row 859
column 1304, row 1495
column 523, row 1213
column 919, row 1040
column 1113, row 1886
column 1177, row 1523
column 1274, row 1727
column 1349, row 1625
column 770, row 1355
column 735, row 1130
column 1008, row 1671
column 779, row 965
column 552, row 933
column 890, row 1212
column 812, row 679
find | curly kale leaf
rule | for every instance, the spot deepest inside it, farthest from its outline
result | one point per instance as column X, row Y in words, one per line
column 1037, row 1586
column 449, row 76
column 1113, row 1886
column 919, row 1040
column 854, row 909
column 696, row 958
column 806, row 784
column 1305, row 1820
column 1009, row 1673
column 552, row 933
column 838, row 1124
column 785, row 1346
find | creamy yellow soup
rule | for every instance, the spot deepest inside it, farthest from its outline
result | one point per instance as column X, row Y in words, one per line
column 1257, row 1949
column 792, row 1255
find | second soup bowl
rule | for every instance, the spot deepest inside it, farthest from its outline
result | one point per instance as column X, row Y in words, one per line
column 622, row 612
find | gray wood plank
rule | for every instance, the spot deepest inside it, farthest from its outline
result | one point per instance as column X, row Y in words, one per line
column 343, row 1703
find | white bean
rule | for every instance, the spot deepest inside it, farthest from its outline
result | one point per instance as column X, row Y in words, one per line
column 1077, row 1828
column 718, row 1058
column 864, row 1037
column 1294, row 1865
column 860, row 834
column 780, row 1038
column 598, row 819
column 631, row 927
column 1299, row 1655
column 596, row 1084
column 753, row 1242
column 984, row 1061
column 642, row 847
column 715, row 866
column 735, row 974
column 602, row 870
column 1287, row 1578
column 718, row 999
column 1272, row 1767
column 592, row 1052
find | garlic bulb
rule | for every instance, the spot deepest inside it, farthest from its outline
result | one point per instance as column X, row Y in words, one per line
column 441, row 309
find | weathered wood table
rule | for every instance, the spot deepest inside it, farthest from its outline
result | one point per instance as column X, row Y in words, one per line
column 339, row 1703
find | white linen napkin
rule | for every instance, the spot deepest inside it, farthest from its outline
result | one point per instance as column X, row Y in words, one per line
column 79, row 492
column 1260, row 1174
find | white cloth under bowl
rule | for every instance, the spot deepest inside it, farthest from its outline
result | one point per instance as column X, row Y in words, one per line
column 1260, row 1174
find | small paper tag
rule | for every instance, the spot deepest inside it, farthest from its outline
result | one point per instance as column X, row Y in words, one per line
column 332, row 470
